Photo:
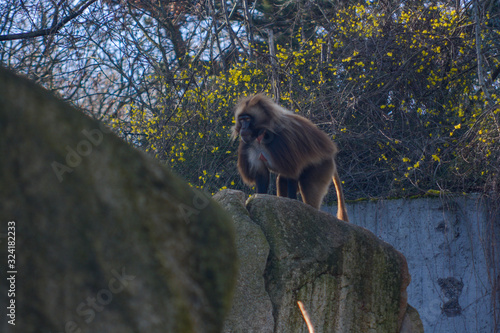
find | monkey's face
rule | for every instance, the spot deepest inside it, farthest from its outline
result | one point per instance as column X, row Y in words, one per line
column 247, row 128
column 249, row 132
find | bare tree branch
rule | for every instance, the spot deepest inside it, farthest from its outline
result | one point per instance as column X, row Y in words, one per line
column 56, row 26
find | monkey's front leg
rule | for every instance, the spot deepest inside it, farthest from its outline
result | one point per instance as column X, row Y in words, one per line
column 286, row 187
column 262, row 181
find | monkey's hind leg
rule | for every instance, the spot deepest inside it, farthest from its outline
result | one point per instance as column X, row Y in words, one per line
column 314, row 182
column 286, row 187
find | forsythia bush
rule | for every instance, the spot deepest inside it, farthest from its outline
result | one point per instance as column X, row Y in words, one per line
column 399, row 94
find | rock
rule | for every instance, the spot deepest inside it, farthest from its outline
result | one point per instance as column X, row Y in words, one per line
column 347, row 278
column 252, row 308
column 106, row 239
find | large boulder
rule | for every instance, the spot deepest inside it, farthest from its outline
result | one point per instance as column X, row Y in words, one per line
column 106, row 239
column 347, row 278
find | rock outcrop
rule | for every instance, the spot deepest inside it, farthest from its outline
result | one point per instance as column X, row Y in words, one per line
column 347, row 278
column 106, row 239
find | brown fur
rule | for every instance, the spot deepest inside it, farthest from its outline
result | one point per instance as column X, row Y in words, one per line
column 294, row 148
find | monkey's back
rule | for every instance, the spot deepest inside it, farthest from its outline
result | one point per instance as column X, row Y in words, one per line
column 297, row 144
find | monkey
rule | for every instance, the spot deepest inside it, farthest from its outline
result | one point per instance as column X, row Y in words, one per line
column 274, row 139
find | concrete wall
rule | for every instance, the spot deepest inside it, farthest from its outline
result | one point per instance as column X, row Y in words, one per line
column 453, row 253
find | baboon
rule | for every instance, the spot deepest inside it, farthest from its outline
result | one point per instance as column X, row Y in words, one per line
column 277, row 140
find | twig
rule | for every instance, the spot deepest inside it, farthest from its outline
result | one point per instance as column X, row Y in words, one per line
column 306, row 317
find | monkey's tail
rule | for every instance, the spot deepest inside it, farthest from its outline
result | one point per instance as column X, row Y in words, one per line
column 341, row 210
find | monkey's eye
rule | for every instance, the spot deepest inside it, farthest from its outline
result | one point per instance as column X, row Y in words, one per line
column 244, row 118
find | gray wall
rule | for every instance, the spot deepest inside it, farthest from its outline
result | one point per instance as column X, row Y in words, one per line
column 453, row 253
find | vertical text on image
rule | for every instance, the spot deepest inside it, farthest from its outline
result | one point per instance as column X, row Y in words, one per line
column 11, row 271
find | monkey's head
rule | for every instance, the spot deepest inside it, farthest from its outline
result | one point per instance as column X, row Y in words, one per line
column 256, row 118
